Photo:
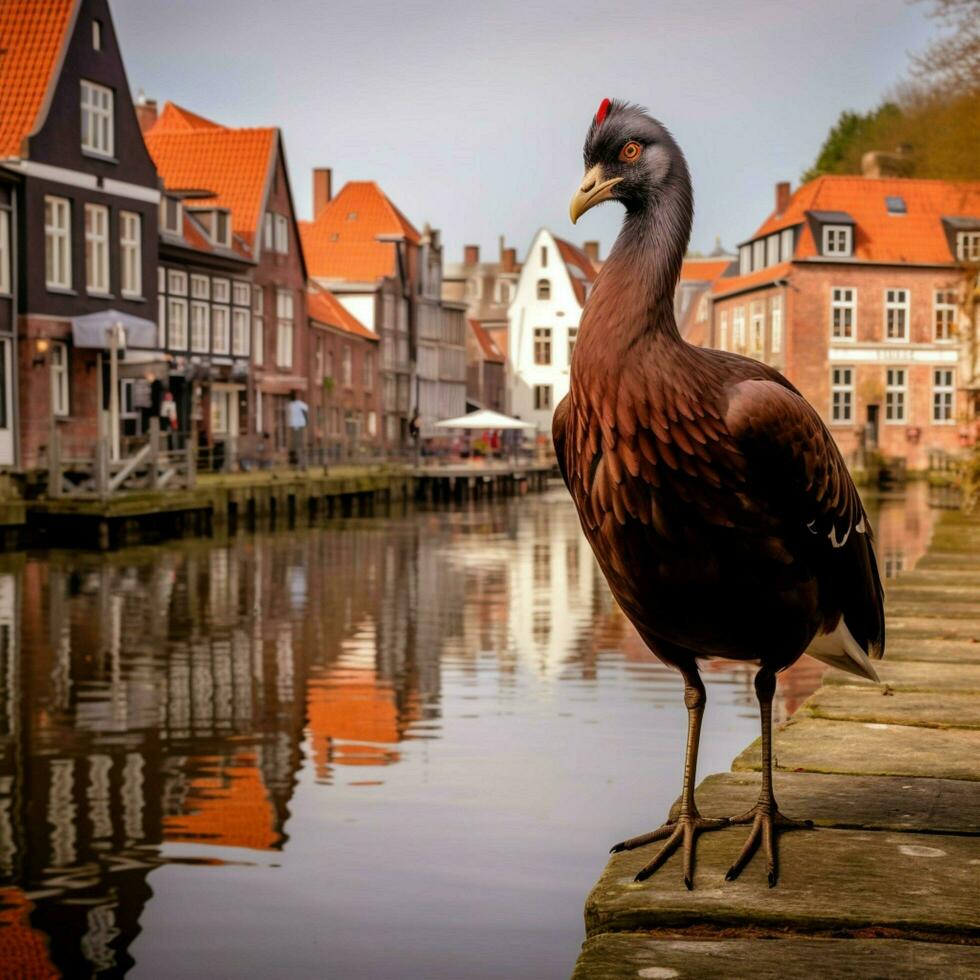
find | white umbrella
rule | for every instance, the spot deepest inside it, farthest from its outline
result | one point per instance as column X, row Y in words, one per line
column 484, row 419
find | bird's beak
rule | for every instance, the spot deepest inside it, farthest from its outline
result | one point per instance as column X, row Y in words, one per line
column 594, row 190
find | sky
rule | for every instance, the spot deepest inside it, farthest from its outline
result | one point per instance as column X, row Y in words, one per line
column 471, row 115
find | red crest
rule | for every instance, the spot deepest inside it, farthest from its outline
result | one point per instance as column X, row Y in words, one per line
column 602, row 112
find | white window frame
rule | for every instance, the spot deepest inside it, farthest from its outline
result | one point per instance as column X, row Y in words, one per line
column 220, row 330
column 268, row 233
column 258, row 326
column 786, row 244
column 220, row 290
column 97, row 108
column 948, row 308
column 895, row 305
column 968, row 246
column 200, row 326
column 131, row 254
column 758, row 254
column 738, row 329
column 843, row 299
column 723, row 330
column 177, row 324
column 347, row 366
column 543, row 398
column 776, row 325
column 240, row 293
column 744, row 259
column 757, row 328
column 284, row 328
column 57, row 242
column 896, row 395
column 837, row 240
column 60, row 388
column 944, row 396
column 542, row 336
column 842, row 409
column 282, row 234
column 97, row 249
column 200, row 287
column 241, row 331
column 4, row 254
column 772, row 250
column 176, row 282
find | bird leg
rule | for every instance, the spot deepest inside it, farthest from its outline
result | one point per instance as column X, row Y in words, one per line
column 765, row 817
column 684, row 821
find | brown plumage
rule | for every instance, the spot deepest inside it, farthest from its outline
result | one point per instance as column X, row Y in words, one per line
column 717, row 504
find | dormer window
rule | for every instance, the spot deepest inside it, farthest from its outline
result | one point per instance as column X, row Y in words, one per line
column 968, row 246
column 170, row 217
column 837, row 240
column 97, row 119
column 217, row 223
column 896, row 204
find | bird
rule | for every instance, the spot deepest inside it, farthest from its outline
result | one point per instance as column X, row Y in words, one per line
column 718, row 506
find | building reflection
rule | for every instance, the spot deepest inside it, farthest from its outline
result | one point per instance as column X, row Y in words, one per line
column 157, row 704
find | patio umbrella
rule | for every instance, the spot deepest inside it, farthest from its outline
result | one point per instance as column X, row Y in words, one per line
column 484, row 419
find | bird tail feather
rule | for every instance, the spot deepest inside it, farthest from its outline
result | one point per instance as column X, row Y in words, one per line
column 840, row 649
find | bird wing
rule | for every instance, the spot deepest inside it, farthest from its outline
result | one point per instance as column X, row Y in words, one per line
column 558, row 426
column 799, row 477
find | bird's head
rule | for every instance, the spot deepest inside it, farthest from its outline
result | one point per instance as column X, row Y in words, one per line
column 629, row 157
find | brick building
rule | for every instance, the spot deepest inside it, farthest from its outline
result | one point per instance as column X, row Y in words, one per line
column 855, row 288
column 86, row 198
column 692, row 297
column 234, row 183
column 486, row 380
column 345, row 396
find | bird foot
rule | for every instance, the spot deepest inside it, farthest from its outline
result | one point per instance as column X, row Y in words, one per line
column 682, row 829
column 766, row 820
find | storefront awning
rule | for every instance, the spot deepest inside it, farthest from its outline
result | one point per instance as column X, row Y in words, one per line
column 94, row 330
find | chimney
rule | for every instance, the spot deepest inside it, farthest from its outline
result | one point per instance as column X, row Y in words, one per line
column 782, row 196
column 508, row 260
column 322, row 180
column 592, row 251
column 146, row 111
column 471, row 254
column 874, row 163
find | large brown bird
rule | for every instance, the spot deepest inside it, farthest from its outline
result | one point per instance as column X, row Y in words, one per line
column 716, row 502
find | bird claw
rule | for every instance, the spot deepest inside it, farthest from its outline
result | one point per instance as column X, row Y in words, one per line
column 766, row 820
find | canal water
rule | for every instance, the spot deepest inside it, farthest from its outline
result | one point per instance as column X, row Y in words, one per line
column 388, row 748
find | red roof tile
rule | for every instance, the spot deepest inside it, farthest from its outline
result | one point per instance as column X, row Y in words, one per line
column 577, row 261
column 703, row 270
column 761, row 277
column 342, row 242
column 491, row 352
column 917, row 236
column 325, row 308
column 33, row 35
column 232, row 165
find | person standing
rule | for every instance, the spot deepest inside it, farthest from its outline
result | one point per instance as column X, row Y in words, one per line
column 299, row 417
column 168, row 419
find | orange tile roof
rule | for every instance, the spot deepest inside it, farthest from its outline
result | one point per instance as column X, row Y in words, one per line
column 23, row 949
column 33, row 35
column 703, row 270
column 341, row 243
column 233, row 165
column 917, row 236
column 491, row 352
column 575, row 258
column 761, row 277
column 324, row 307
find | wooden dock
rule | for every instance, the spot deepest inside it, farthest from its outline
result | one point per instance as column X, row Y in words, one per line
column 888, row 885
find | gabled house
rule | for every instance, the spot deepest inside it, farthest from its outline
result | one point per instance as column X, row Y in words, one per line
column 543, row 317
column 240, row 341
column 86, row 198
column 856, row 288
column 485, row 377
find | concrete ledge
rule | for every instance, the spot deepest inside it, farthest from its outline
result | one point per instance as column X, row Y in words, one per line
column 912, row 676
column 920, row 709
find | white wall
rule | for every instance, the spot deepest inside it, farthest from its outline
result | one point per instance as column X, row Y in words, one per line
column 359, row 305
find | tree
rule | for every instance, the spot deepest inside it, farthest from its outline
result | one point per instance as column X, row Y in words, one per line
column 953, row 60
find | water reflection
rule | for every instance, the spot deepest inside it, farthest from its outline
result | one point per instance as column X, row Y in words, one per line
column 319, row 709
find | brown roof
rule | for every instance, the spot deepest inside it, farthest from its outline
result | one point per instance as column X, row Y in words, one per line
column 342, row 242
column 491, row 352
column 33, row 37
column 577, row 261
column 323, row 307
column 761, row 277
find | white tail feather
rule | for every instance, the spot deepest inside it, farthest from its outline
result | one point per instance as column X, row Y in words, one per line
column 840, row 649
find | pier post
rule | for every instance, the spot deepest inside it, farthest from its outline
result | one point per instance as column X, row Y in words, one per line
column 154, row 474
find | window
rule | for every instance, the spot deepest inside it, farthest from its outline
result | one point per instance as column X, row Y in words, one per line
column 347, row 367
column 843, row 313
column 544, row 256
column 57, row 243
column 282, row 234
column 367, row 370
column 176, row 282
column 200, row 287
column 220, row 411
column 837, row 239
column 942, row 396
column 240, row 293
column 170, row 214
column 786, row 246
column 161, row 307
column 96, row 35
column 284, row 328
column 97, row 134
column 258, row 325
column 896, row 393
column 944, row 313
column 757, row 329
column 776, row 325
column 542, row 345
column 841, row 394
column 896, row 314
column 738, row 329
column 219, row 329
column 503, row 291
column 4, row 256
column 744, row 259
column 59, row 378
column 131, row 253
column 895, row 204
column 239, row 332
column 968, row 246
column 220, row 291
column 268, row 234
column 544, row 289
column 572, row 338
column 772, row 250
column 221, row 228
column 96, row 248
column 200, row 326
column 759, row 254
column 542, row 397
column 177, row 323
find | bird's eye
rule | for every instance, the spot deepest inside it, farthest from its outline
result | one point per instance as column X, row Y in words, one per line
column 630, row 152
